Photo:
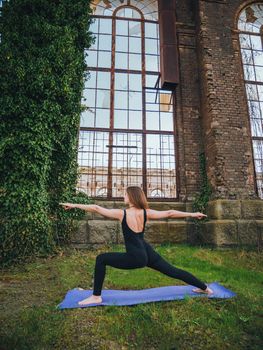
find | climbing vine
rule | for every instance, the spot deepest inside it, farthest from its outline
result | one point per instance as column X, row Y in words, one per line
column 201, row 200
column 42, row 74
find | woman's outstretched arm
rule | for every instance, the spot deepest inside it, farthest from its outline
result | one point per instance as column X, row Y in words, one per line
column 110, row 213
column 157, row 214
column 184, row 214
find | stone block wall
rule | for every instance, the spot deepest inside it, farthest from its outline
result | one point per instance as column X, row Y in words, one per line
column 231, row 223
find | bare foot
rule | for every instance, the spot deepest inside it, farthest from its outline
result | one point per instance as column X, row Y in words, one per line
column 206, row 291
column 93, row 299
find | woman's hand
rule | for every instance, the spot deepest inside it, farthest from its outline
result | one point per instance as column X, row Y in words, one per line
column 68, row 205
column 198, row 215
column 87, row 207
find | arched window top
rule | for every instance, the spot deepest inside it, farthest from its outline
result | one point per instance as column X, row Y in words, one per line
column 157, row 193
column 251, row 18
column 149, row 9
column 101, row 192
column 128, row 12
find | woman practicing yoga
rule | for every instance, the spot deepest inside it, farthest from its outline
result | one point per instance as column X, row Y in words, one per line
column 139, row 253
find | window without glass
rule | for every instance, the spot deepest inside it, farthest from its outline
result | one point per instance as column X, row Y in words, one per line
column 250, row 24
column 127, row 130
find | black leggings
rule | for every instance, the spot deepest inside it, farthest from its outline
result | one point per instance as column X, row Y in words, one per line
column 147, row 258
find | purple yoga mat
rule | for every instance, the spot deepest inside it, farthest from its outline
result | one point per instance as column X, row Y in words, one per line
column 132, row 297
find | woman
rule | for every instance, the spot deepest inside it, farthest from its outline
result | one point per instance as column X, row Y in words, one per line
column 139, row 253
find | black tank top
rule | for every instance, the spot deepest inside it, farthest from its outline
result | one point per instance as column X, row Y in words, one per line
column 133, row 239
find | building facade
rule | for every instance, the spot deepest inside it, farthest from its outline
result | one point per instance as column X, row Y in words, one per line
column 174, row 81
column 170, row 80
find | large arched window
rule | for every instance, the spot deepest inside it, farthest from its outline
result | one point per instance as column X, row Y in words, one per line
column 126, row 134
column 250, row 25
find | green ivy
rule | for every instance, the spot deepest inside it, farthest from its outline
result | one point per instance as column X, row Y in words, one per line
column 201, row 200
column 42, row 75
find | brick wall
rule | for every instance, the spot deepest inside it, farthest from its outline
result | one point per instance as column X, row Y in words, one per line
column 211, row 107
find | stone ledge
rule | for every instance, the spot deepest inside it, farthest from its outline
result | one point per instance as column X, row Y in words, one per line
column 250, row 231
column 160, row 231
column 233, row 222
column 121, row 205
column 103, row 231
column 81, row 234
column 152, row 205
column 235, row 209
column 252, row 209
column 232, row 232
column 220, row 232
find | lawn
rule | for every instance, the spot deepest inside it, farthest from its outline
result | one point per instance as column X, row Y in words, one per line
column 30, row 293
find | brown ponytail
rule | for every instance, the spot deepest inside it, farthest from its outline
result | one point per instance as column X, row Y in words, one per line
column 137, row 197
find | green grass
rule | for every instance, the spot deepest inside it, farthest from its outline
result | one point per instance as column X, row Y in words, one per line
column 30, row 293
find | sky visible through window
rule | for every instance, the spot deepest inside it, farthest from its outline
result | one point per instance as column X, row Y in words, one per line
column 120, row 96
column 250, row 24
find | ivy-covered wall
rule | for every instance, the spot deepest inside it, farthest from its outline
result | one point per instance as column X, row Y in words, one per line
column 42, row 73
